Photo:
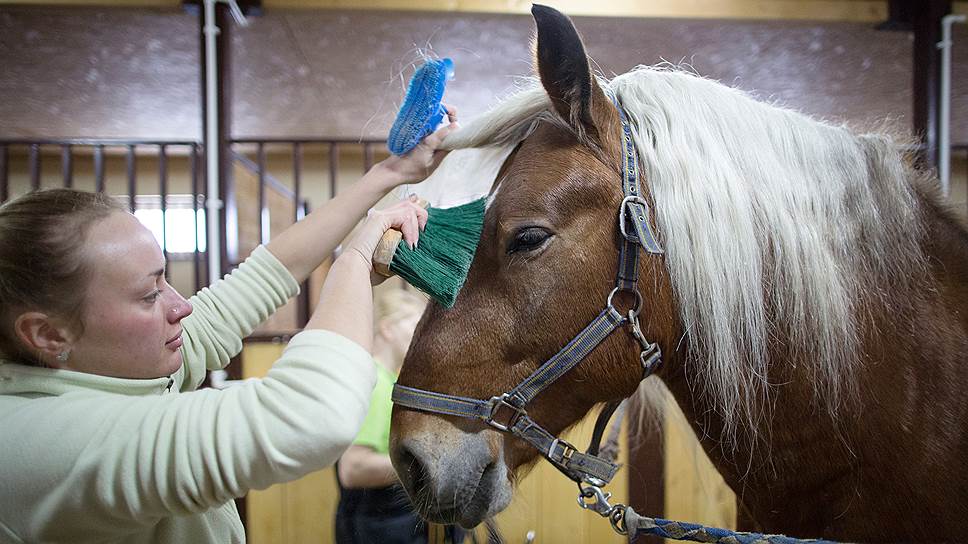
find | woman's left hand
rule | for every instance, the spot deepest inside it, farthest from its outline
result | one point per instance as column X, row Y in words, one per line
column 421, row 161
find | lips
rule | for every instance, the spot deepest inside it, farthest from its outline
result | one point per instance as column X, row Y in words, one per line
column 174, row 342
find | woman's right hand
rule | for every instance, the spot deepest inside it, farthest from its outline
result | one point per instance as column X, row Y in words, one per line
column 406, row 216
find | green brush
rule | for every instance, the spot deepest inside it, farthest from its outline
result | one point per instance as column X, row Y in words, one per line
column 439, row 264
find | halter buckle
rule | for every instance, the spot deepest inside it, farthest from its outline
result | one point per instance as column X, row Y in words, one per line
column 494, row 420
column 624, row 210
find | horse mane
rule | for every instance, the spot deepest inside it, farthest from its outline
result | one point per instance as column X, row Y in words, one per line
column 783, row 234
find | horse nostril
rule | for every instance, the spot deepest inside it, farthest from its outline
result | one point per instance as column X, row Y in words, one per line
column 414, row 475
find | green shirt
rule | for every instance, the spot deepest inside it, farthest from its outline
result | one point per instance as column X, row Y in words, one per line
column 376, row 427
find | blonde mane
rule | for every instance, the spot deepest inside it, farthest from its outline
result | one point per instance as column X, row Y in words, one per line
column 779, row 230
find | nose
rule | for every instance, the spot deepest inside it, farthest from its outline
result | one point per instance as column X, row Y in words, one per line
column 179, row 309
column 412, row 471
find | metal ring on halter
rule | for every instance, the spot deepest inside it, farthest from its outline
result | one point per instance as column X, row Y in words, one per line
column 634, row 312
column 623, row 208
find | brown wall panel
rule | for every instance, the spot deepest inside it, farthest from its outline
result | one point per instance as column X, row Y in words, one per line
column 73, row 71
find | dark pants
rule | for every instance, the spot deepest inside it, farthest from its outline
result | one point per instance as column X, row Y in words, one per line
column 384, row 516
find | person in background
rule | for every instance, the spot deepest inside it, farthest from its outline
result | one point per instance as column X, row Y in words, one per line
column 105, row 437
column 373, row 507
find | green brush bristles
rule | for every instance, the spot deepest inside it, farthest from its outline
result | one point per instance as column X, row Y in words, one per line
column 439, row 264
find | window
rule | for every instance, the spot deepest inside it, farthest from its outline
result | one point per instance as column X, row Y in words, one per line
column 182, row 225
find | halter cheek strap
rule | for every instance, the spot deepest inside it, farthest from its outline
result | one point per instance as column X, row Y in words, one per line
column 506, row 412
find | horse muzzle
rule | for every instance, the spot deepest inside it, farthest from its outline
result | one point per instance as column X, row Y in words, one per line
column 451, row 476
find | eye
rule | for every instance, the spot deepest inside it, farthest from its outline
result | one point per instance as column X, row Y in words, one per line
column 153, row 297
column 528, row 239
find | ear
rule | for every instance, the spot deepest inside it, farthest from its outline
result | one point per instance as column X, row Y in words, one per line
column 43, row 335
column 565, row 74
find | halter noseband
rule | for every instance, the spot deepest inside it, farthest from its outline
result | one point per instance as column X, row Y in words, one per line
column 507, row 413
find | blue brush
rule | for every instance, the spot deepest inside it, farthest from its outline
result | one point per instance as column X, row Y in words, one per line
column 421, row 111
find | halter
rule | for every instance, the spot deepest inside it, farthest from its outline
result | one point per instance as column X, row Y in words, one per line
column 507, row 413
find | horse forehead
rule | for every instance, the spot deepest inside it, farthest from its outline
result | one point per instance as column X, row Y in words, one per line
column 547, row 160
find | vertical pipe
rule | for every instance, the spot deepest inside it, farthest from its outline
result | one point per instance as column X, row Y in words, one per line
column 132, row 181
column 944, row 120
column 263, row 207
column 4, row 173
column 302, row 302
column 296, row 181
column 926, row 71
column 99, row 168
column 163, row 192
column 193, row 175
column 67, row 165
column 213, row 204
column 34, row 157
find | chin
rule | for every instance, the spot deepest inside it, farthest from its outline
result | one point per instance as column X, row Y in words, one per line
column 172, row 364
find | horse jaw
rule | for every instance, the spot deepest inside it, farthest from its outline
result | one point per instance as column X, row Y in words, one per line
column 464, row 483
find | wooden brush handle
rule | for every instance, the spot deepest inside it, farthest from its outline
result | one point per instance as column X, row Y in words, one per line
column 388, row 247
column 385, row 250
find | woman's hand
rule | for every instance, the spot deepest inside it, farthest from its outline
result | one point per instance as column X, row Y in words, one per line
column 421, row 161
column 405, row 216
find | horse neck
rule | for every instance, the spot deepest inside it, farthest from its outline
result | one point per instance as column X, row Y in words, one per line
column 806, row 472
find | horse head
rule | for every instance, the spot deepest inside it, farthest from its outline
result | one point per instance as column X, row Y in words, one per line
column 545, row 266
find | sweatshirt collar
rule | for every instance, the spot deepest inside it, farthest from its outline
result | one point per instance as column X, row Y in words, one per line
column 18, row 379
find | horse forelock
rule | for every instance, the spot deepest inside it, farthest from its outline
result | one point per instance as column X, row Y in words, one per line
column 779, row 230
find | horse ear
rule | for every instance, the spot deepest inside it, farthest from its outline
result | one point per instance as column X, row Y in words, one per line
column 565, row 73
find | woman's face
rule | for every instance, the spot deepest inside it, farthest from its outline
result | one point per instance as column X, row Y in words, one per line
column 132, row 317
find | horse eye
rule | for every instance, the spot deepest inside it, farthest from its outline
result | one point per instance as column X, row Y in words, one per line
column 528, row 239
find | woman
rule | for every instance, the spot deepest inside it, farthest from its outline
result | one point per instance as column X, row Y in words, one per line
column 372, row 505
column 104, row 437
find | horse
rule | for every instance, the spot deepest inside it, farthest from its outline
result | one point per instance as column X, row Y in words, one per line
column 810, row 302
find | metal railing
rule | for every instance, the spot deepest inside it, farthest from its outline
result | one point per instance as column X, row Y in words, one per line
column 25, row 159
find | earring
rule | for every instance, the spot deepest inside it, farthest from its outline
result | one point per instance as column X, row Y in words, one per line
column 62, row 356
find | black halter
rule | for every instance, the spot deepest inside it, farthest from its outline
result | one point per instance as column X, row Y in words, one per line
column 506, row 412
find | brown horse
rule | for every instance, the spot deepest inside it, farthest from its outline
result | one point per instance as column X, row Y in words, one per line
column 810, row 303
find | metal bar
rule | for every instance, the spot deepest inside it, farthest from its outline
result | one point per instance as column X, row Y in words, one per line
column 93, row 141
column 263, row 207
column 271, row 181
column 333, row 168
column 255, row 140
column 196, row 255
column 367, row 156
column 67, row 165
column 296, row 181
column 944, row 114
column 34, row 158
column 132, row 181
column 926, row 65
column 302, row 301
column 4, row 173
column 163, row 191
column 99, row 168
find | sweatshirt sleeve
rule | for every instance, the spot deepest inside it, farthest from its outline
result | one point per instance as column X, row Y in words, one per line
column 228, row 311
column 115, row 464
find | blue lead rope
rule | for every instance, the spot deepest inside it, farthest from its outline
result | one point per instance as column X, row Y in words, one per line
column 637, row 525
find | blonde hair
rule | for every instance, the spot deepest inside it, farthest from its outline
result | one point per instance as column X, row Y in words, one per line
column 393, row 301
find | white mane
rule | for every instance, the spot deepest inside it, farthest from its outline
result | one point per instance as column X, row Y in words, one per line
column 778, row 229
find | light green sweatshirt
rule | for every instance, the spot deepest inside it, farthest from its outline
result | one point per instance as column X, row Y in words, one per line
column 86, row 458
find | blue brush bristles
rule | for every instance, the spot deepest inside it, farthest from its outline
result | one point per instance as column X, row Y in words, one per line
column 421, row 111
